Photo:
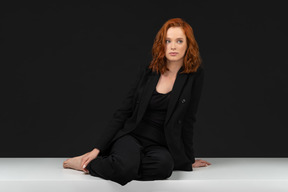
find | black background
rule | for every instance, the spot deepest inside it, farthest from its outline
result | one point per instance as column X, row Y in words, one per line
column 65, row 68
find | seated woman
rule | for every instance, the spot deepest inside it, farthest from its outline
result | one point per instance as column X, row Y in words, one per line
column 151, row 134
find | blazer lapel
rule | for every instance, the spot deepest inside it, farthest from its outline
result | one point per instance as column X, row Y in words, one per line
column 175, row 94
column 147, row 93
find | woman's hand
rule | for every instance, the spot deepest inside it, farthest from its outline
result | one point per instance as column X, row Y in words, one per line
column 200, row 163
column 88, row 157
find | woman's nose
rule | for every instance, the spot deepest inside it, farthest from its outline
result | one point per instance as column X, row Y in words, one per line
column 173, row 47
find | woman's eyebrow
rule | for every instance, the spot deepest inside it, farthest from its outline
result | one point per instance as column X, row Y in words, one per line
column 176, row 38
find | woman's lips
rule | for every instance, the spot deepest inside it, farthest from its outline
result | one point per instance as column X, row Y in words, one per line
column 173, row 53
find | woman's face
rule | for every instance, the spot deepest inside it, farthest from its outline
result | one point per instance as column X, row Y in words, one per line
column 176, row 44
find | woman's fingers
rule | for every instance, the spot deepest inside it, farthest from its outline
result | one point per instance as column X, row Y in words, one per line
column 202, row 161
column 85, row 170
column 207, row 163
column 86, row 163
column 88, row 157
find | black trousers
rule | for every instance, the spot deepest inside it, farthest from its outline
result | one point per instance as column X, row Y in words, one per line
column 130, row 159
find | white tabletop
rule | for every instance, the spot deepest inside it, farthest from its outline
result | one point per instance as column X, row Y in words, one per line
column 225, row 174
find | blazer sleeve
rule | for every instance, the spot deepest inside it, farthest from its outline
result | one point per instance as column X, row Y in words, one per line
column 104, row 135
column 190, row 117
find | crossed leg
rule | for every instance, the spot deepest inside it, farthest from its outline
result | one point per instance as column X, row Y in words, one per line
column 127, row 161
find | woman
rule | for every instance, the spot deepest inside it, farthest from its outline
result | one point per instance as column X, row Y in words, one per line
column 151, row 134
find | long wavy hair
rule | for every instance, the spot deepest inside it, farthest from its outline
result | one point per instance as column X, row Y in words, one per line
column 192, row 59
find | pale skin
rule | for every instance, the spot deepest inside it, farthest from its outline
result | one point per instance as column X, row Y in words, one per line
column 175, row 42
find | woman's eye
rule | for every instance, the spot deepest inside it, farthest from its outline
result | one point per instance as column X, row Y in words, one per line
column 179, row 41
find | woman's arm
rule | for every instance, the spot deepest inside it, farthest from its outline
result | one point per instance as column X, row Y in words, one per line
column 190, row 118
column 104, row 135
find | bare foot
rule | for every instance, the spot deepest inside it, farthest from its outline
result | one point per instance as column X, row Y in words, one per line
column 74, row 163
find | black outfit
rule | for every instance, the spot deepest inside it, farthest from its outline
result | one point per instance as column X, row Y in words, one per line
column 150, row 130
column 142, row 154
column 123, row 144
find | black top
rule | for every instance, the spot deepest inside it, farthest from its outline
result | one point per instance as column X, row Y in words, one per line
column 150, row 130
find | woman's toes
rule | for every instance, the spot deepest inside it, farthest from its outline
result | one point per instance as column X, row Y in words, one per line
column 66, row 163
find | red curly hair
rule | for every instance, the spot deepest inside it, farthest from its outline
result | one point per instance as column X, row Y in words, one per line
column 192, row 59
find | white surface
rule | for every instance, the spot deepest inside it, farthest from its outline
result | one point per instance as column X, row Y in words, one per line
column 225, row 174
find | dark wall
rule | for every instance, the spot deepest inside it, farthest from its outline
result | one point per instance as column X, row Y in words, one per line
column 65, row 69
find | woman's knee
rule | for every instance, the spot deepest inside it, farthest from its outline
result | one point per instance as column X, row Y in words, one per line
column 165, row 167
column 158, row 164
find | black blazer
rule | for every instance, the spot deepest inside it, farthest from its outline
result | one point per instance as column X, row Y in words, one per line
column 180, row 118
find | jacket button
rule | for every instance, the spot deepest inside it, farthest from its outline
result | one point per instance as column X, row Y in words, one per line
column 179, row 121
column 137, row 101
column 183, row 100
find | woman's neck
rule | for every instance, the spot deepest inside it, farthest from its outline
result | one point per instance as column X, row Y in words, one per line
column 174, row 67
